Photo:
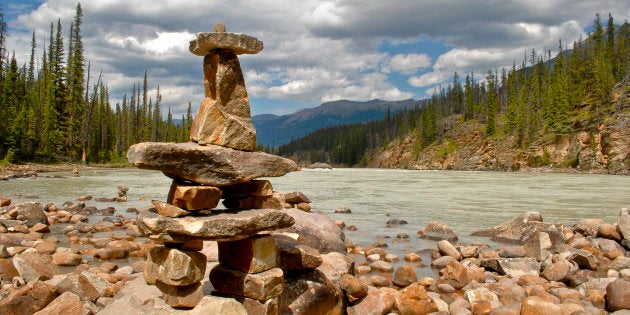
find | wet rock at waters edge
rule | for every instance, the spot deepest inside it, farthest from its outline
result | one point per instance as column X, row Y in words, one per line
column 223, row 226
column 623, row 224
column 394, row 221
column 517, row 223
column 30, row 212
column 208, row 164
column 320, row 165
column 224, row 114
column 377, row 301
column 296, row 197
column 293, row 255
column 343, row 210
column 436, row 230
column 4, row 202
column 310, row 292
column 316, row 230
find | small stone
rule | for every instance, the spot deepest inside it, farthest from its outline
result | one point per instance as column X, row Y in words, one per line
column 382, row 266
column 609, row 231
column 380, row 281
column 29, row 299
column 533, row 305
column 353, row 288
column 436, row 230
column 362, row 269
column 344, row 210
column 413, row 257
column 67, row 303
column 304, row 206
column 377, row 301
column 7, row 270
column 34, row 266
column 260, row 286
column 295, row 256
column 516, row 267
column 296, row 197
column 446, row 248
column 404, row 276
column 558, row 271
column 67, row 259
column 168, row 210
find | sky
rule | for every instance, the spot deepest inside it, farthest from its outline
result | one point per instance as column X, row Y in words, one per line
column 315, row 51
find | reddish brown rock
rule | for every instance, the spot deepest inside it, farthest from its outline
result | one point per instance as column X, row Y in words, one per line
column 412, row 257
column 174, row 267
column 28, row 299
column 294, row 256
column 353, row 288
column 67, row 259
column 534, row 305
column 377, row 301
column 296, row 197
column 67, row 303
column 404, row 276
column 311, row 293
column 455, row 274
column 609, row 231
column 168, row 210
column 7, row 270
column 618, row 295
column 558, row 271
column 260, row 286
column 187, row 296
column 193, row 197
column 5, row 202
column 415, row 300
column 34, row 266
column 111, row 253
column 258, row 188
column 254, row 202
column 436, row 230
column 252, row 255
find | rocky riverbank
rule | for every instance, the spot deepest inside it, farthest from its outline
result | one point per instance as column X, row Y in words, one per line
column 56, row 259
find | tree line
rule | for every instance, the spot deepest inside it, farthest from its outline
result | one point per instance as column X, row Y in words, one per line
column 59, row 111
column 538, row 99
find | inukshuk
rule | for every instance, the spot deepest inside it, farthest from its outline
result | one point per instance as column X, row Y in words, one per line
column 217, row 164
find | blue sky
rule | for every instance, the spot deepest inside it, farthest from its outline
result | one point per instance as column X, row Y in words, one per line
column 315, row 51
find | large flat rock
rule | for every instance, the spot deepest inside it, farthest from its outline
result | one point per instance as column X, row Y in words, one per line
column 236, row 42
column 207, row 164
column 225, row 226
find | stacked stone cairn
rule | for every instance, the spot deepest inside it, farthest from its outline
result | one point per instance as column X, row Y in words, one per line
column 218, row 164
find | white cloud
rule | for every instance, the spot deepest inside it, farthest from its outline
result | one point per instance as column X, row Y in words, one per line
column 407, row 64
column 315, row 50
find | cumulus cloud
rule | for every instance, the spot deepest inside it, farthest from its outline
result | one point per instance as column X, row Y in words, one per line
column 315, row 50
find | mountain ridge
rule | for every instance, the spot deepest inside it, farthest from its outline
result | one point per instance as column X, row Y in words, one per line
column 273, row 130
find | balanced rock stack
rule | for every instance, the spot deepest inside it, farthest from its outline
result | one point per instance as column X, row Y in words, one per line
column 216, row 165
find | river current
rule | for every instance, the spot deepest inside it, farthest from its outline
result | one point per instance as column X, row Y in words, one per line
column 466, row 201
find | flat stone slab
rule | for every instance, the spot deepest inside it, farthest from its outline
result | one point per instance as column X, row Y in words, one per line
column 207, row 164
column 225, row 226
column 236, row 42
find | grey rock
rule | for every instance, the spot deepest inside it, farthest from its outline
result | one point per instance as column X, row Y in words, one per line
column 436, row 230
column 316, row 230
column 30, row 212
column 223, row 226
column 207, row 164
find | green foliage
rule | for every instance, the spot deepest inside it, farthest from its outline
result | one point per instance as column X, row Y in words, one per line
column 538, row 98
column 446, row 148
column 56, row 114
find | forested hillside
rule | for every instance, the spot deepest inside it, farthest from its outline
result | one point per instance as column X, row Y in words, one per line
column 60, row 110
column 522, row 112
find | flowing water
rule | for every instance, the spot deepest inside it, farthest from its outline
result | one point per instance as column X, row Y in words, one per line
column 466, row 201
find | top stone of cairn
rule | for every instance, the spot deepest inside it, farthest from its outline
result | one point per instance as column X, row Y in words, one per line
column 219, row 39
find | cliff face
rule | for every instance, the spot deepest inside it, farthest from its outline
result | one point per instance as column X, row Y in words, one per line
column 600, row 149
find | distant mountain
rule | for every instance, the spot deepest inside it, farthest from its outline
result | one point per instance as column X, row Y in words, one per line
column 275, row 130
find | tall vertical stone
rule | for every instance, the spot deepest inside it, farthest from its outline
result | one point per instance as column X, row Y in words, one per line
column 224, row 116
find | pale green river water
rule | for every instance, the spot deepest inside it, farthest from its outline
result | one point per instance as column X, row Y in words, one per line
column 466, row 201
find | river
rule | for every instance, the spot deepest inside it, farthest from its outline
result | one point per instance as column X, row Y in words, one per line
column 466, row 201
